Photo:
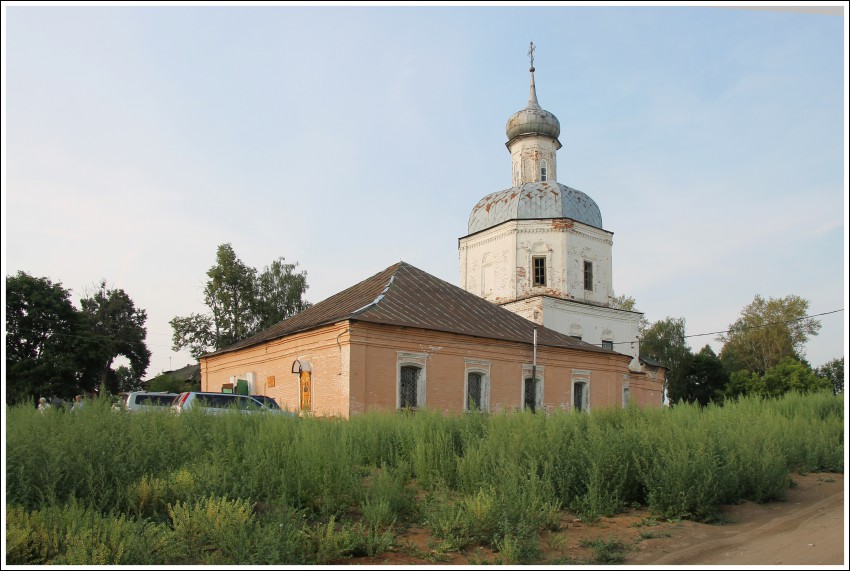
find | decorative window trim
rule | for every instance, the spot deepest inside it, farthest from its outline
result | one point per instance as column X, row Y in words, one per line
column 408, row 359
column 538, row 387
column 483, row 368
column 580, row 377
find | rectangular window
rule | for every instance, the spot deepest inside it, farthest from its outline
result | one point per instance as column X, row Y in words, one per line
column 608, row 345
column 588, row 275
column 580, row 396
column 539, row 270
column 408, row 389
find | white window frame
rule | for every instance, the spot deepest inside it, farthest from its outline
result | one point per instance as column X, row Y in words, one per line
column 545, row 259
column 580, row 377
column 538, row 387
column 407, row 359
column 483, row 368
column 544, row 170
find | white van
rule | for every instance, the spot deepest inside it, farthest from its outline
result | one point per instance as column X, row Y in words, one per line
column 140, row 400
column 216, row 403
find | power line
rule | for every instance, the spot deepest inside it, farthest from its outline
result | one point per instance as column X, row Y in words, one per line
column 737, row 329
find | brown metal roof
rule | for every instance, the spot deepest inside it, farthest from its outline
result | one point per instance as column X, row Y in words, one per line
column 405, row 295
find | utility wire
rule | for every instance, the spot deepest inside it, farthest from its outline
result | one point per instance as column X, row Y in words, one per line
column 737, row 329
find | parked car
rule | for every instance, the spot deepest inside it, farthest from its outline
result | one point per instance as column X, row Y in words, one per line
column 268, row 401
column 216, row 403
column 139, row 400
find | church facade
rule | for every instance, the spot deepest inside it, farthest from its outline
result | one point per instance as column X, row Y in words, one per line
column 539, row 248
column 530, row 327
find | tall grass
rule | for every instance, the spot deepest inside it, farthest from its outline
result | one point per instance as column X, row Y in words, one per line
column 104, row 487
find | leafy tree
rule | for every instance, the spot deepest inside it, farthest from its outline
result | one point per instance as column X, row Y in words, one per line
column 664, row 341
column 195, row 332
column 767, row 332
column 230, row 294
column 126, row 380
column 279, row 293
column 242, row 302
column 42, row 326
column 54, row 349
column 704, row 381
column 787, row 376
column 120, row 328
column 834, row 372
column 170, row 383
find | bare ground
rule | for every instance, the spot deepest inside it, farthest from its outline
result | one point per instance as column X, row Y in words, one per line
column 807, row 528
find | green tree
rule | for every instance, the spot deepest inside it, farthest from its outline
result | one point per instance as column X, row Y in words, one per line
column 704, row 381
column 767, row 332
column 241, row 301
column 196, row 333
column 280, row 292
column 789, row 375
column 46, row 341
column 169, row 383
column 833, row 371
column 664, row 341
column 120, row 328
column 230, row 294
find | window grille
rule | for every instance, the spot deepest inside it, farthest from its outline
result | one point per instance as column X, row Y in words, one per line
column 588, row 276
column 473, row 391
column 608, row 345
column 543, row 170
column 408, row 387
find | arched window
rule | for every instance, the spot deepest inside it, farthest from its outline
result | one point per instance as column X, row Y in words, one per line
column 543, row 170
column 517, row 175
column 627, row 397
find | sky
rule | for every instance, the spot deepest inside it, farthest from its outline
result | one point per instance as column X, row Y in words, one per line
column 137, row 138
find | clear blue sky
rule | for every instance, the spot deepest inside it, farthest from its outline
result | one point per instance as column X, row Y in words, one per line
column 139, row 138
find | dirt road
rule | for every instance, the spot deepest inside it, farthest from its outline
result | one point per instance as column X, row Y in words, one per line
column 806, row 529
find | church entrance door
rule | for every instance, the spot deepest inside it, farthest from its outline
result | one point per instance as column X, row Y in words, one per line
column 306, row 391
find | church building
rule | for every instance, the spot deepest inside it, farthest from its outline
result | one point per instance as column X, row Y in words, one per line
column 531, row 327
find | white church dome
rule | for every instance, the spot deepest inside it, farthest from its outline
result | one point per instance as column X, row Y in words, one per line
column 534, row 200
